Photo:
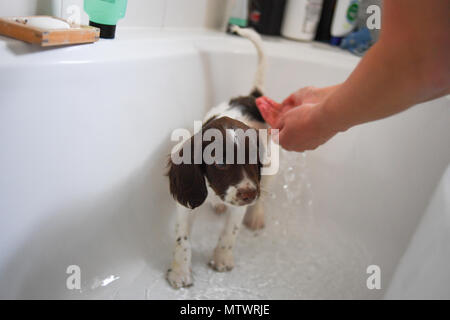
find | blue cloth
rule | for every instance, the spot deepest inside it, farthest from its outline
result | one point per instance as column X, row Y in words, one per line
column 357, row 42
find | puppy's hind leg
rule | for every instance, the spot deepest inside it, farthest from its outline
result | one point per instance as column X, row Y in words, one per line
column 180, row 273
column 223, row 254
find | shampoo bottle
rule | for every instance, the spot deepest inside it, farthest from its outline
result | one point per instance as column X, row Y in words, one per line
column 301, row 19
column 323, row 32
column 239, row 14
column 266, row 16
column 344, row 19
column 104, row 14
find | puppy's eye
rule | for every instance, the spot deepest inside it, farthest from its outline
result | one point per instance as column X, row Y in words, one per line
column 221, row 166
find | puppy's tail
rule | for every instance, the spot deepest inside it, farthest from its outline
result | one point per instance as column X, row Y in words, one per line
column 260, row 75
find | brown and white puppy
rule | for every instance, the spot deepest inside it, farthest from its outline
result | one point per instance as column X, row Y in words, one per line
column 232, row 186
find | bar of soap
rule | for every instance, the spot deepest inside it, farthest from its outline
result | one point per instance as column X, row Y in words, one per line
column 47, row 23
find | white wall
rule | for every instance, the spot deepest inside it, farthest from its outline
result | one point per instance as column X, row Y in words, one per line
column 140, row 13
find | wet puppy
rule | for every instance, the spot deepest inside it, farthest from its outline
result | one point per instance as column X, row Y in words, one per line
column 230, row 180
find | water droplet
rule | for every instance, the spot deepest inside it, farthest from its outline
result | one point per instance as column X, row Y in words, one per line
column 289, row 175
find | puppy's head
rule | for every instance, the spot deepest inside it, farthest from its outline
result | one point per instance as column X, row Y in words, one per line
column 230, row 166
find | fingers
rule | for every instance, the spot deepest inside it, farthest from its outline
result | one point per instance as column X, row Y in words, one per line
column 267, row 114
column 282, row 138
column 280, row 121
column 269, row 102
column 301, row 96
column 293, row 100
column 289, row 100
column 284, row 132
column 272, row 103
column 287, row 141
column 269, row 110
column 288, row 134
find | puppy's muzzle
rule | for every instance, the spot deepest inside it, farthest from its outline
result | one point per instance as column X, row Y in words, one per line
column 246, row 196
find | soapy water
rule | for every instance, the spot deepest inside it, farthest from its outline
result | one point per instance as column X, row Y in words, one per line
column 293, row 257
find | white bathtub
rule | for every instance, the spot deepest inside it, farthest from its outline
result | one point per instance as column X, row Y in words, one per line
column 84, row 137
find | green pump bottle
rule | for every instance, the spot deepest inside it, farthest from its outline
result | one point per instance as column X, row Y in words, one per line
column 104, row 14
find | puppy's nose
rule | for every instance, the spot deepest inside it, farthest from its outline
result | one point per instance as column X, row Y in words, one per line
column 246, row 195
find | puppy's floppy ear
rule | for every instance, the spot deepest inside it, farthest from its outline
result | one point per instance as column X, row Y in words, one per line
column 187, row 181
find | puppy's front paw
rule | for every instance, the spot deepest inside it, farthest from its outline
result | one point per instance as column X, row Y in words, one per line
column 179, row 277
column 254, row 218
column 223, row 260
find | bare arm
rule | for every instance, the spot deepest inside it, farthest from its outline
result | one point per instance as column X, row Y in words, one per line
column 409, row 64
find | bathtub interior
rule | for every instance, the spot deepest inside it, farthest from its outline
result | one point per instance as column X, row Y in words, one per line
column 84, row 177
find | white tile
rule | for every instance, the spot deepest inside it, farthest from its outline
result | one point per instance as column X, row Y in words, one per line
column 17, row 7
column 140, row 13
column 197, row 13
column 144, row 13
column 73, row 8
column 189, row 14
column 217, row 14
column 45, row 7
column 33, row 7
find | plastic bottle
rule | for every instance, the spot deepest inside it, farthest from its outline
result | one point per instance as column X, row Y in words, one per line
column 104, row 14
column 323, row 32
column 301, row 19
column 344, row 19
column 239, row 13
column 266, row 16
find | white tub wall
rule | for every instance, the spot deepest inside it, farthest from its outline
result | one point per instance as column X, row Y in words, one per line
column 426, row 262
column 140, row 13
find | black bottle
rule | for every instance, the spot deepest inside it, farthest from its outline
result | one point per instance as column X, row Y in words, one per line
column 323, row 32
column 266, row 16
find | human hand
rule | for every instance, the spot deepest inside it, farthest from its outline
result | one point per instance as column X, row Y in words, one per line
column 272, row 110
column 308, row 95
column 304, row 128
column 300, row 128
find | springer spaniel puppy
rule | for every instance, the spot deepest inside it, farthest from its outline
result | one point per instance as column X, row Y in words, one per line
column 233, row 187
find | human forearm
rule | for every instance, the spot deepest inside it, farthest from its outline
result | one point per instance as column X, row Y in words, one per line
column 408, row 65
column 376, row 89
column 405, row 67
